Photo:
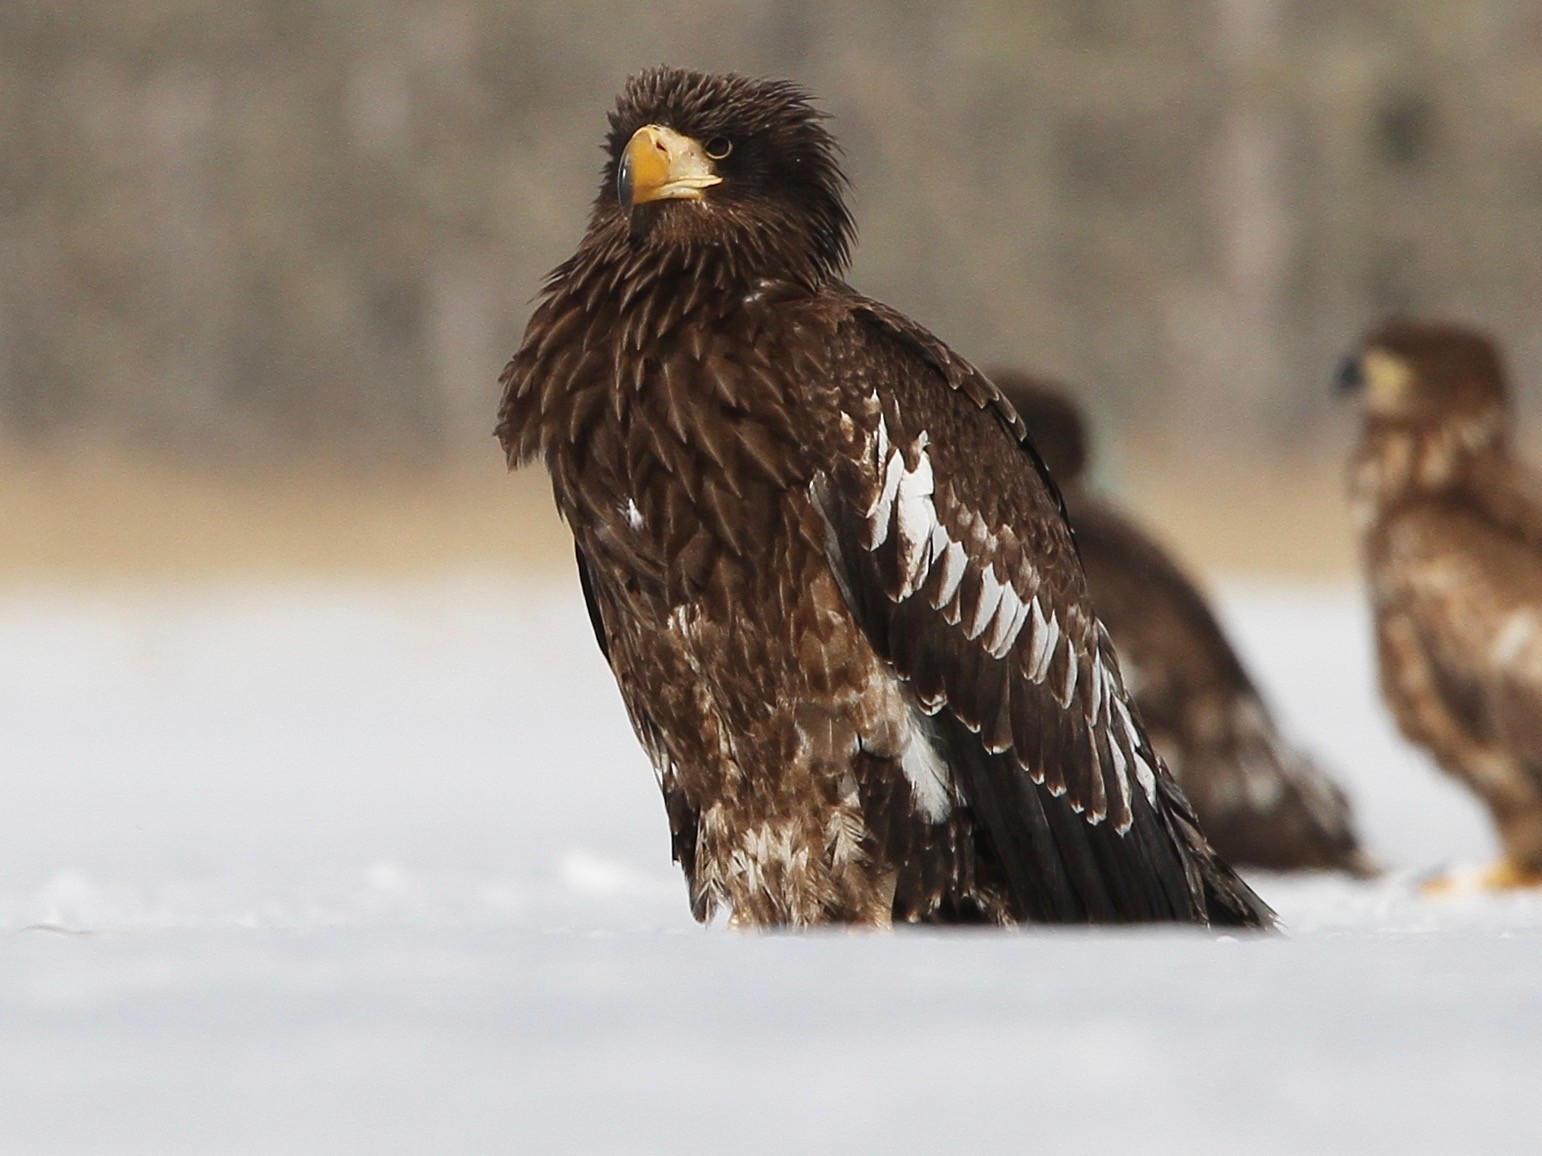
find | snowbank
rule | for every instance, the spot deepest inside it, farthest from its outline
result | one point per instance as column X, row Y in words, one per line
column 353, row 869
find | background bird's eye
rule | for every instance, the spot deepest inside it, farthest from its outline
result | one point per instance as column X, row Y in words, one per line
column 718, row 147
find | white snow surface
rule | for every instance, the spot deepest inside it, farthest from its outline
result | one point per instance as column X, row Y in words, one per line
column 382, row 869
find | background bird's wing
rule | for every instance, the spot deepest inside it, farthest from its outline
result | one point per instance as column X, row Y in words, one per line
column 1155, row 614
column 949, row 542
column 1261, row 801
column 1509, row 495
column 1470, row 591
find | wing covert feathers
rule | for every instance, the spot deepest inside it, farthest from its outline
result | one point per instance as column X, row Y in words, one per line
column 958, row 565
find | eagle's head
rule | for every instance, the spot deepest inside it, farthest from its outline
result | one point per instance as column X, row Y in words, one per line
column 1426, row 376
column 1054, row 421
column 698, row 161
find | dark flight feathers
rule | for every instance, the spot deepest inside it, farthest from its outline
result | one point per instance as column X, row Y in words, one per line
column 1260, row 801
column 1048, row 752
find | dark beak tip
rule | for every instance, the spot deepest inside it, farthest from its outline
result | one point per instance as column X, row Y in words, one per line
column 624, row 183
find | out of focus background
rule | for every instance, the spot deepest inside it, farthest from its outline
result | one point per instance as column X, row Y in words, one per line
column 321, row 826
column 262, row 263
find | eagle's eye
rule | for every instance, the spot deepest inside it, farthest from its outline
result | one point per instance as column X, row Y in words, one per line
column 718, row 147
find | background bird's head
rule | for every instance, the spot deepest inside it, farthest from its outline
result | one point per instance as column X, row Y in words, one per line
column 1054, row 421
column 1426, row 374
column 731, row 163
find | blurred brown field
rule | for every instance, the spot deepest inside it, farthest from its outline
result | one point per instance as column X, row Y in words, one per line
column 81, row 515
column 275, row 228
column 264, row 261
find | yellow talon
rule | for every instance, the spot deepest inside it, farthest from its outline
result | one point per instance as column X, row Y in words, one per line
column 1505, row 875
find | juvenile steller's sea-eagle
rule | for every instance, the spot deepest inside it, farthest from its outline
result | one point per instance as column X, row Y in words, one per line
column 832, row 580
column 1260, row 801
column 1451, row 535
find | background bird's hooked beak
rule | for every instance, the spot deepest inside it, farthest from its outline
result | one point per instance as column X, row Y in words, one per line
column 660, row 164
column 1382, row 378
column 1350, row 376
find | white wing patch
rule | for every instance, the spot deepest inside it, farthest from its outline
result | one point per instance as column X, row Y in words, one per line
column 905, row 506
column 1068, row 692
column 915, row 518
column 1008, row 623
column 1146, row 776
column 1143, row 772
column 1045, row 635
column 883, row 506
column 927, row 773
column 990, row 600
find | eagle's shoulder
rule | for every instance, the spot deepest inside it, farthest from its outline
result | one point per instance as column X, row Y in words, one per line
column 925, row 358
column 879, row 351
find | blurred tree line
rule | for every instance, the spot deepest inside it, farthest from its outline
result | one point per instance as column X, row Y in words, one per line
column 287, row 225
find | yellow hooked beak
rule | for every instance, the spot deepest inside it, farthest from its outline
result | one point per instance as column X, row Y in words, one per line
column 660, row 164
column 1388, row 379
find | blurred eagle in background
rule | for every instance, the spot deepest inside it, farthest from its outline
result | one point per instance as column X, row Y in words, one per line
column 1260, row 801
column 1451, row 535
column 833, row 581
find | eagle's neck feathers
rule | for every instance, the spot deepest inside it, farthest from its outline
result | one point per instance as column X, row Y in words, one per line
column 1398, row 462
column 658, row 385
column 608, row 317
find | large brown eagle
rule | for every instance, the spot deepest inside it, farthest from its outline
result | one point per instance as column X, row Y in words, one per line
column 832, row 580
column 1451, row 535
column 1260, row 801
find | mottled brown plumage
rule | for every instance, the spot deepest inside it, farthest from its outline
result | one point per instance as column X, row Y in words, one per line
column 1260, row 801
column 1451, row 536
column 838, row 596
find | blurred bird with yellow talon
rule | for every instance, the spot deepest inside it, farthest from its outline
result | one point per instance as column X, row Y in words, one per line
column 1261, row 802
column 1450, row 529
column 1504, row 875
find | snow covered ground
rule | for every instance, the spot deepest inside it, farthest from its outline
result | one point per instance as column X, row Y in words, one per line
column 356, row 869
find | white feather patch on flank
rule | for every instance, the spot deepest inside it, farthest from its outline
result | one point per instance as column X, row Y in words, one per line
column 764, row 852
column 634, row 516
column 1514, row 639
column 927, row 773
column 844, row 832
